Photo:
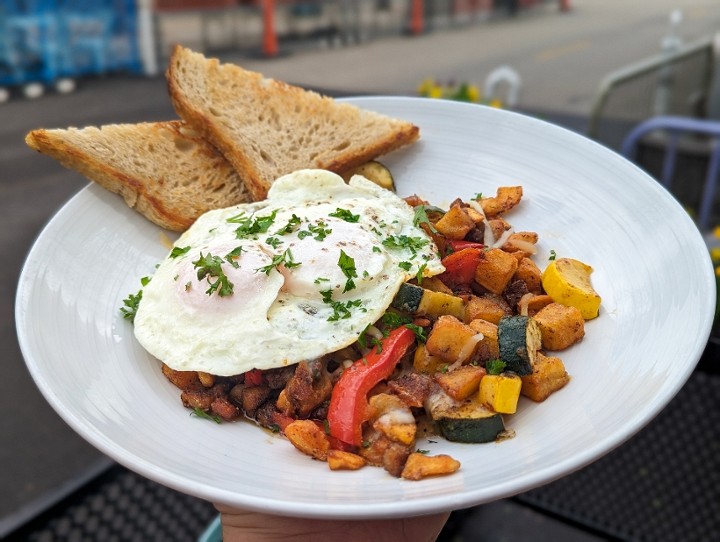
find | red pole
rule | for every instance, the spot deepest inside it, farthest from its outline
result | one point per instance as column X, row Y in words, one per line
column 417, row 22
column 270, row 43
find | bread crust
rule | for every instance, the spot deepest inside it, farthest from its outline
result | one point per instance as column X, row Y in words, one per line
column 162, row 170
column 267, row 128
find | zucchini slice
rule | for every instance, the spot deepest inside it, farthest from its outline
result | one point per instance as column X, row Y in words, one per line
column 417, row 300
column 465, row 421
column 375, row 172
column 519, row 339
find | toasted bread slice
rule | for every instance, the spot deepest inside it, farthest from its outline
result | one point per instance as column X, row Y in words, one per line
column 164, row 170
column 267, row 128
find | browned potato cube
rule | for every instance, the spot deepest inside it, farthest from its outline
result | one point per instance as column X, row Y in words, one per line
column 487, row 307
column 419, row 466
column 488, row 348
column 528, row 271
column 340, row 460
column 185, row 380
column 538, row 302
column 424, row 362
column 307, row 437
column 448, row 339
column 521, row 241
column 561, row 326
column 495, row 270
column 462, row 382
column 506, row 198
column 548, row 376
column 455, row 224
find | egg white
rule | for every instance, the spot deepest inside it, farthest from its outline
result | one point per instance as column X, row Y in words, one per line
column 297, row 310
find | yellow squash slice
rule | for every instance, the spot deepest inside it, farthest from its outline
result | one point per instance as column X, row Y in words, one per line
column 567, row 281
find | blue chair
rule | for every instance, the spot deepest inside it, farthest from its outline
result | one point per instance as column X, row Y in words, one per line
column 675, row 127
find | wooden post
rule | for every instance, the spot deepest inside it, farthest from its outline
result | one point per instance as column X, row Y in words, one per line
column 270, row 42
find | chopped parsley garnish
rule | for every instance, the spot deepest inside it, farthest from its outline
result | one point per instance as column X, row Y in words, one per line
column 495, row 366
column 419, row 274
column 405, row 242
column 376, row 249
column 344, row 214
column 273, row 241
column 321, row 279
column 231, row 256
column 250, row 226
column 347, row 266
column 478, row 196
column 292, row 225
column 211, row 267
column 341, row 310
column 421, row 217
column 176, row 252
column 405, row 266
column 318, row 231
column 130, row 306
column 553, row 255
column 285, row 259
column 393, row 319
column 200, row 413
column 424, row 452
column 418, row 331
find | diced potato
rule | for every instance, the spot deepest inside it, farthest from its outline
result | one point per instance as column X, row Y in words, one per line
column 495, row 270
column 455, row 224
column 548, row 376
column 486, row 307
column 184, row 380
column 206, row 379
column 341, row 460
column 499, row 226
column 506, row 198
column 462, row 382
column 448, row 339
column 521, row 241
column 419, row 466
column 528, row 271
column 388, row 414
column 538, row 302
column 488, row 347
column 309, row 438
column 424, row 362
column 501, row 392
column 560, row 326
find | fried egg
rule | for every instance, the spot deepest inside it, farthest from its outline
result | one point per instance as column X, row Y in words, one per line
column 292, row 278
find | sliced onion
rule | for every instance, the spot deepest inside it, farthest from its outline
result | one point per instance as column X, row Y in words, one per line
column 523, row 303
column 466, row 351
column 488, row 235
column 503, row 238
column 525, row 246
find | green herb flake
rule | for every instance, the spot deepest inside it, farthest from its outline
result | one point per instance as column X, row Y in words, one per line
column 421, row 217
column 495, row 366
column 424, row 452
column 176, row 252
column 233, row 255
column 405, row 266
column 285, row 259
column 347, row 266
column 250, row 227
column 273, row 241
column 553, row 255
column 413, row 244
column 419, row 275
column 130, row 306
column 292, row 225
column 200, row 413
column 344, row 214
column 211, row 267
column 418, row 331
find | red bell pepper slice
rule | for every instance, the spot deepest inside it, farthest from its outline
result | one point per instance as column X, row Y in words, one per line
column 456, row 245
column 348, row 402
column 460, row 266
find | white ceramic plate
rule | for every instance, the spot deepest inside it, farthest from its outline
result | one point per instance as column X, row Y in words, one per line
column 651, row 267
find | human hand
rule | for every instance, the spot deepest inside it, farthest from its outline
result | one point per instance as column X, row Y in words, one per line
column 244, row 526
